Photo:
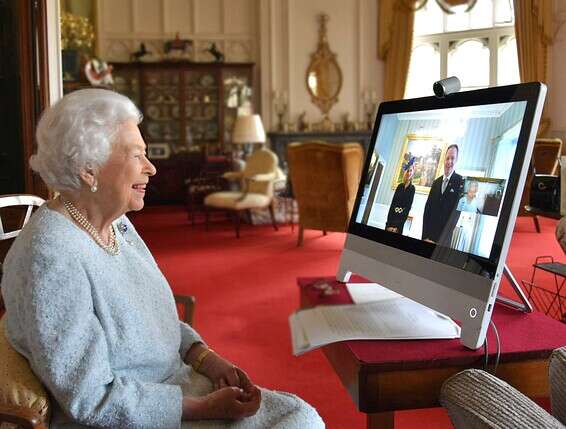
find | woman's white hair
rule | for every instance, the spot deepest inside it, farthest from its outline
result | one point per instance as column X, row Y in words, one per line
column 77, row 134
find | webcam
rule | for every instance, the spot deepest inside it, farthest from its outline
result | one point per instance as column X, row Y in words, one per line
column 447, row 86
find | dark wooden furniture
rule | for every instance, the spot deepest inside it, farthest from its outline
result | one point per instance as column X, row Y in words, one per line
column 280, row 140
column 545, row 160
column 208, row 180
column 385, row 376
column 543, row 213
column 188, row 108
column 168, row 185
column 24, row 91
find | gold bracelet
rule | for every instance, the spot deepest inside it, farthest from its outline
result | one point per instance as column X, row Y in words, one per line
column 200, row 359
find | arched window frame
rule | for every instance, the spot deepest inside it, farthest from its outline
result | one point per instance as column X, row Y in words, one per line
column 493, row 36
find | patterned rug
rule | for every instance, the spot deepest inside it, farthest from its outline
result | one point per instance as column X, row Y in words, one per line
column 286, row 212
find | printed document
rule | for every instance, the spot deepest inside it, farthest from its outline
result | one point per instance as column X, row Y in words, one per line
column 369, row 292
column 389, row 319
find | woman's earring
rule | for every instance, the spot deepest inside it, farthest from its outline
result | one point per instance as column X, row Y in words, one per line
column 94, row 188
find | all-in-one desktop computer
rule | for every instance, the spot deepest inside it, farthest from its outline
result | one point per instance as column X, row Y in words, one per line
column 438, row 198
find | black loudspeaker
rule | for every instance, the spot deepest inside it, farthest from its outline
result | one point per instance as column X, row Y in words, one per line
column 545, row 193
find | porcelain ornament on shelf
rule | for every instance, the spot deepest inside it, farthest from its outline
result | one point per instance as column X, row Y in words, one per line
column 98, row 72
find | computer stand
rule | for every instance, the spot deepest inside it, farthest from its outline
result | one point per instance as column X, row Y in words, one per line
column 525, row 305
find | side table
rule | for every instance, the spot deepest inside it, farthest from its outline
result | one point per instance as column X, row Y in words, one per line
column 386, row 376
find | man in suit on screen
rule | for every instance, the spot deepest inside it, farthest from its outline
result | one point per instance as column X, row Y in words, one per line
column 440, row 215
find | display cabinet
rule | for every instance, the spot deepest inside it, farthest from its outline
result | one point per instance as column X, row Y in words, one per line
column 187, row 105
column 189, row 111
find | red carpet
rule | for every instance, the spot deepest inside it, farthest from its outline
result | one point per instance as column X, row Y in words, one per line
column 246, row 289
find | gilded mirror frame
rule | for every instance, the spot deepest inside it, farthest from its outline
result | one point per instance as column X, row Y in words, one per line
column 324, row 72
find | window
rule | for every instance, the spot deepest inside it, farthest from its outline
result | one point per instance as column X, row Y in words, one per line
column 478, row 47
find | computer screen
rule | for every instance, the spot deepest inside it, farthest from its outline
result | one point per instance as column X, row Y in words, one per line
column 443, row 174
column 439, row 194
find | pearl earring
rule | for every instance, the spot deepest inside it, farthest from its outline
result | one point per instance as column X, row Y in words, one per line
column 93, row 188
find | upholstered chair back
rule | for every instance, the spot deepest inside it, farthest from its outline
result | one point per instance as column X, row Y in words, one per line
column 325, row 178
column 546, row 154
column 22, row 396
column 261, row 162
column 545, row 160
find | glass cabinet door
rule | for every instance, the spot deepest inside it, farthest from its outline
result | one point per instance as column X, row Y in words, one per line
column 202, row 109
column 126, row 82
column 161, row 107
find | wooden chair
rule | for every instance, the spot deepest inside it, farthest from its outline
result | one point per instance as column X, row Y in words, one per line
column 545, row 160
column 325, row 179
column 208, row 180
column 15, row 211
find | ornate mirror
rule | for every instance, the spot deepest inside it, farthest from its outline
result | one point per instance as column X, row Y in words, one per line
column 324, row 77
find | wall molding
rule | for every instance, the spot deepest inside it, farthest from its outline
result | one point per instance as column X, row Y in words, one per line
column 117, row 46
column 265, row 34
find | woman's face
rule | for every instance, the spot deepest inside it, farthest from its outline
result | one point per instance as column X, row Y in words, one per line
column 409, row 172
column 122, row 180
column 472, row 190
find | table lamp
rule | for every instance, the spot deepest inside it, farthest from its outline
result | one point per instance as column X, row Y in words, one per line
column 248, row 129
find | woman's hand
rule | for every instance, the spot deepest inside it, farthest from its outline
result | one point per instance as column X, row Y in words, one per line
column 225, row 403
column 223, row 373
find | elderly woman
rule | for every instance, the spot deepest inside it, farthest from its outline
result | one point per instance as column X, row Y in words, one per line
column 87, row 305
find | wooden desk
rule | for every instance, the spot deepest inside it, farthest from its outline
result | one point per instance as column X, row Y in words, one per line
column 385, row 376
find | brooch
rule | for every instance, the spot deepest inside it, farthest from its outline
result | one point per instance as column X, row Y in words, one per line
column 123, row 229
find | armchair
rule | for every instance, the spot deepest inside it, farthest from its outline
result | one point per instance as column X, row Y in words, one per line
column 478, row 400
column 23, row 399
column 14, row 210
column 24, row 403
column 256, row 184
column 325, row 179
column 545, row 160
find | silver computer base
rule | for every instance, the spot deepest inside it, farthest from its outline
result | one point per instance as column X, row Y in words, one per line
column 524, row 305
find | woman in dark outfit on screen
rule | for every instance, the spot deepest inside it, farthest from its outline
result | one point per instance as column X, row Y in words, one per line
column 402, row 200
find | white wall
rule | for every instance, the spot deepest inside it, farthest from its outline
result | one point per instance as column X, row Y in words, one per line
column 288, row 37
column 278, row 35
column 231, row 24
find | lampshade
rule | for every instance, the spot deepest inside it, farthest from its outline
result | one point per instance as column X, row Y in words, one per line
column 248, row 129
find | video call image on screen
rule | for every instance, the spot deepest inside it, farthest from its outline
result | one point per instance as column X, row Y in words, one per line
column 441, row 175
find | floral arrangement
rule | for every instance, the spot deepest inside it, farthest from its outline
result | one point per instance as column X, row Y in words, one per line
column 77, row 32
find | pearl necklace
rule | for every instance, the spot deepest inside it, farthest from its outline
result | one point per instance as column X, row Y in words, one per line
column 112, row 246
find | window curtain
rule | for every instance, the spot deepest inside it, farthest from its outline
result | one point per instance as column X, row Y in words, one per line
column 395, row 39
column 534, row 33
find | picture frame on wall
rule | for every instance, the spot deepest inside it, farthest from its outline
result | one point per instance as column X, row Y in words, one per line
column 158, row 150
column 428, row 152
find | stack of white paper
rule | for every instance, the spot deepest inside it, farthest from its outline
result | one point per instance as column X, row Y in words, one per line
column 392, row 318
column 369, row 292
